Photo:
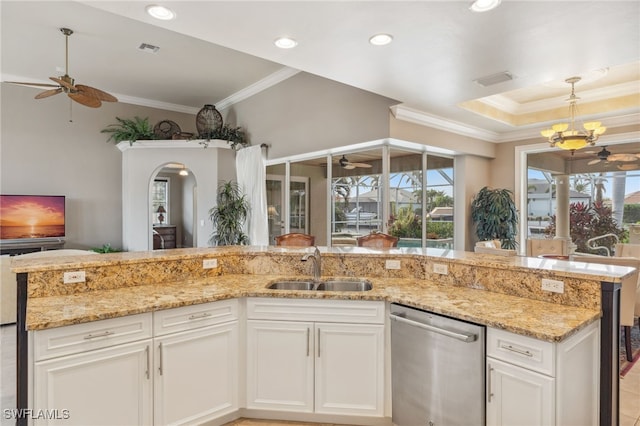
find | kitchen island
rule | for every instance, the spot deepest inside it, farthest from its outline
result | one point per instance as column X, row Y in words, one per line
column 502, row 293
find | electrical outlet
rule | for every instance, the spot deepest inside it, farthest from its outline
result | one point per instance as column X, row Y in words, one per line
column 553, row 285
column 392, row 264
column 74, row 277
column 440, row 268
column 209, row 263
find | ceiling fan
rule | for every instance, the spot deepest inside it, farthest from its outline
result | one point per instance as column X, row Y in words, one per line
column 85, row 95
column 607, row 156
column 346, row 164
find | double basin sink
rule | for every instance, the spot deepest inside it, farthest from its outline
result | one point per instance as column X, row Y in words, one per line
column 324, row 285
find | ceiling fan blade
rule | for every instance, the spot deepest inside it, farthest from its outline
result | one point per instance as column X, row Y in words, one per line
column 22, row 83
column 592, row 162
column 362, row 165
column 96, row 93
column 63, row 83
column 48, row 93
column 622, row 157
column 85, row 100
column 627, row 166
column 349, row 166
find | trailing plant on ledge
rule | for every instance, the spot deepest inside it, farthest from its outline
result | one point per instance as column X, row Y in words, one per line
column 129, row 130
column 233, row 135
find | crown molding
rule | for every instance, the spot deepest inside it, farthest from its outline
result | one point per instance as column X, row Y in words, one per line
column 424, row 119
column 253, row 89
column 415, row 116
column 271, row 80
column 505, row 104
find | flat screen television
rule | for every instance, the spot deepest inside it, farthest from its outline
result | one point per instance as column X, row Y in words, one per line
column 25, row 218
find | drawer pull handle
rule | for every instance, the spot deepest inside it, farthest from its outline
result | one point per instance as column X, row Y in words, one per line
column 148, row 361
column 198, row 316
column 516, row 350
column 94, row 336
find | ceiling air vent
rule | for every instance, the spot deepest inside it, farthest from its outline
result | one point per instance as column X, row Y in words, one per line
column 492, row 79
column 149, row 48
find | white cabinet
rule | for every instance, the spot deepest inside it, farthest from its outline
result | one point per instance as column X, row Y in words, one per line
column 177, row 366
column 518, row 396
column 280, row 365
column 196, row 371
column 322, row 356
column 95, row 382
column 349, row 362
column 530, row 382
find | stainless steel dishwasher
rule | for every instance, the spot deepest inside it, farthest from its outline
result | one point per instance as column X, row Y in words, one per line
column 437, row 368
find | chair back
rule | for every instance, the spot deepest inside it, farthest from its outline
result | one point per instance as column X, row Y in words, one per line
column 540, row 246
column 295, row 239
column 630, row 288
column 378, row 240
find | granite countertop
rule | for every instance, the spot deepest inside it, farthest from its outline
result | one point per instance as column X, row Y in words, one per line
column 538, row 319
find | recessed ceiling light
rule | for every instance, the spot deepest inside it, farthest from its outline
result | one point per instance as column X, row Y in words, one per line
column 160, row 12
column 380, row 39
column 285, row 42
column 484, row 5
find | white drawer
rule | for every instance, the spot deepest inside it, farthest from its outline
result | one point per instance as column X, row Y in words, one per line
column 88, row 336
column 194, row 316
column 523, row 351
column 350, row 311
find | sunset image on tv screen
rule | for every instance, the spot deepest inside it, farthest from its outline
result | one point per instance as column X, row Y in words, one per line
column 30, row 216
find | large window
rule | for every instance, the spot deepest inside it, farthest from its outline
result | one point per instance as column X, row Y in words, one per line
column 604, row 197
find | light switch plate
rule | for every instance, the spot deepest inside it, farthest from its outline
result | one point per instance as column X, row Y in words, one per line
column 209, row 263
column 74, row 277
column 392, row 264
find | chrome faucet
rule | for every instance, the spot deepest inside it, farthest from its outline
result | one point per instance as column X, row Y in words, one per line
column 317, row 263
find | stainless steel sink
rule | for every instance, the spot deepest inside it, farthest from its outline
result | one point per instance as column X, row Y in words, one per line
column 344, row 285
column 326, row 285
column 292, row 285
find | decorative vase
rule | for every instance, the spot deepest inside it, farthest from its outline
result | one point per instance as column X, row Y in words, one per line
column 208, row 121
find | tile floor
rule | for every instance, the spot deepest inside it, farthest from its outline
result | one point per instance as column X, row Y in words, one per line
column 629, row 389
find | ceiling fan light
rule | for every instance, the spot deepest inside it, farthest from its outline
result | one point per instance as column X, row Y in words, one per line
column 560, row 127
column 160, row 12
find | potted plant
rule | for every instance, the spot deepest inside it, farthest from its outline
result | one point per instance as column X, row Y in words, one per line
column 129, row 130
column 495, row 216
column 229, row 215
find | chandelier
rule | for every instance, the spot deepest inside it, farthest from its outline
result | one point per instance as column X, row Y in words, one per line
column 565, row 135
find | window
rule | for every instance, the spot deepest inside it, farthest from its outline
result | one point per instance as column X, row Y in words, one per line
column 160, row 201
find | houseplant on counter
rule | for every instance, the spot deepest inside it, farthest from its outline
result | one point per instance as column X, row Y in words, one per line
column 130, row 130
column 229, row 215
column 495, row 216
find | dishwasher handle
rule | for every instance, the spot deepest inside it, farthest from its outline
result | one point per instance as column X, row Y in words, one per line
column 467, row 338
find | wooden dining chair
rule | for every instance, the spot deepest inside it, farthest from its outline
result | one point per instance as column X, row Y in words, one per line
column 377, row 240
column 295, row 239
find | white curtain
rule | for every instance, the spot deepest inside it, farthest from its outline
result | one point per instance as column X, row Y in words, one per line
column 252, row 174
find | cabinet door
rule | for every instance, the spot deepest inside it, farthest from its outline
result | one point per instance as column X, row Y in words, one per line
column 196, row 375
column 109, row 386
column 517, row 396
column 280, row 365
column 349, row 369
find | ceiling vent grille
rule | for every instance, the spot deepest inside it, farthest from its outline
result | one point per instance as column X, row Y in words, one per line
column 149, row 48
column 492, row 79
